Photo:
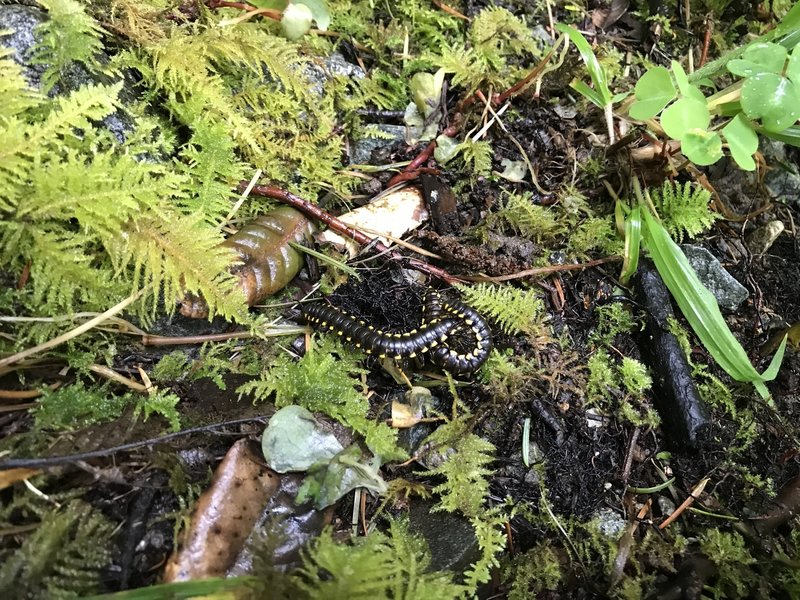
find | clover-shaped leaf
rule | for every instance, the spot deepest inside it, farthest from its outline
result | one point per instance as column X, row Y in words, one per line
column 773, row 99
column 702, row 147
column 793, row 68
column 759, row 58
column 653, row 92
column 683, row 115
column 742, row 141
column 686, row 89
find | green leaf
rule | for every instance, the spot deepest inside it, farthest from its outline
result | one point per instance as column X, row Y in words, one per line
column 742, row 141
column 294, row 440
column 765, row 57
column 596, row 71
column 633, row 238
column 653, row 92
column 702, row 147
column 687, row 89
column 446, row 149
column 319, row 11
column 587, row 92
column 793, row 68
column 700, row 308
column 790, row 135
column 296, row 21
column 684, row 115
column 771, row 98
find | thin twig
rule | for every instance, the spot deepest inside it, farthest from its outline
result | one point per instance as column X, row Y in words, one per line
column 52, row 461
column 315, row 212
column 698, row 489
column 26, row 394
column 543, row 270
column 73, row 333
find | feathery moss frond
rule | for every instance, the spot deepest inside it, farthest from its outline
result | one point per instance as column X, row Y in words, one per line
column 515, row 310
column 538, row 223
column 15, row 96
column 175, row 254
column 465, row 470
column 684, row 209
column 61, row 558
column 322, row 381
column 69, row 35
column 392, row 565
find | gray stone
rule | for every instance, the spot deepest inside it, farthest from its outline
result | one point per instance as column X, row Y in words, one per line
column 610, row 523
column 728, row 292
column 782, row 178
column 761, row 240
column 362, row 149
column 450, row 537
column 22, row 21
column 334, row 65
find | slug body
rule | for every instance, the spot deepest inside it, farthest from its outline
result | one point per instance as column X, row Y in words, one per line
column 266, row 262
column 442, row 321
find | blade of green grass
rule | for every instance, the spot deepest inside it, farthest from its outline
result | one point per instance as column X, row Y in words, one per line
column 344, row 267
column 596, row 71
column 633, row 239
column 701, row 310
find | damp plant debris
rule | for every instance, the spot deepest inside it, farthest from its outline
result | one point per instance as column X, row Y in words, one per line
column 310, row 299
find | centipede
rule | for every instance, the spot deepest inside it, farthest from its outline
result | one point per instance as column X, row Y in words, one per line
column 442, row 322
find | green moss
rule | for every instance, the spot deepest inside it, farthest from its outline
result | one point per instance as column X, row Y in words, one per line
column 62, row 558
column 533, row 572
column 613, row 319
column 728, row 552
column 515, row 310
column 74, row 406
column 322, row 381
column 380, row 566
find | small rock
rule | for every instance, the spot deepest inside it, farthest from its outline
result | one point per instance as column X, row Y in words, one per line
column 728, row 292
column 761, row 240
column 782, row 179
column 450, row 537
column 610, row 523
column 362, row 149
column 334, row 65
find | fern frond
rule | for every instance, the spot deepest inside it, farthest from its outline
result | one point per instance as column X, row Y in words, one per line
column 495, row 32
column 393, row 565
column 102, row 192
column 172, row 254
column 684, row 209
column 465, row 468
column 61, row 558
column 69, row 35
column 477, row 156
column 15, row 96
column 539, row 223
column 382, row 89
column 322, row 381
column 463, row 64
column 74, row 113
column 209, row 157
column 514, row 309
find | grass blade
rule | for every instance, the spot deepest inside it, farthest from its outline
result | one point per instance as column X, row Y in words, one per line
column 701, row 310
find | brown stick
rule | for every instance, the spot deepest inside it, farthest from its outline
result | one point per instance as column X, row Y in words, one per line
column 315, row 212
column 545, row 270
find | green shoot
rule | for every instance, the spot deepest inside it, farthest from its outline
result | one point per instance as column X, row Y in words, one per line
column 601, row 95
column 699, row 306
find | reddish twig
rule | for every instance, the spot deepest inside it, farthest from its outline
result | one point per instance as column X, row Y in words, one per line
column 706, row 41
column 315, row 212
column 458, row 117
column 246, row 6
